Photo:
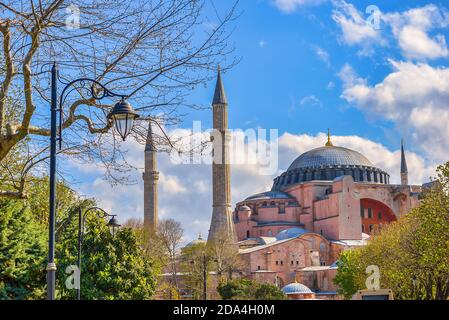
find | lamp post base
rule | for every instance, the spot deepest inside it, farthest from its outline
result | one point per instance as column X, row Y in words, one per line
column 51, row 280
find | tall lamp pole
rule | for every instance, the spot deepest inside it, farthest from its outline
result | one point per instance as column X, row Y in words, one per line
column 112, row 224
column 122, row 117
column 51, row 267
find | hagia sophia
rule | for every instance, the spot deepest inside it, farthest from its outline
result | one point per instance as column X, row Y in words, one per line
column 330, row 199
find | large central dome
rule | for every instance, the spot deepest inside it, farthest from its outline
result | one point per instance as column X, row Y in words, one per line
column 330, row 156
column 326, row 164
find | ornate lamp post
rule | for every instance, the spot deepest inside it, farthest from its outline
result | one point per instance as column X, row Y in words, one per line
column 112, row 224
column 122, row 116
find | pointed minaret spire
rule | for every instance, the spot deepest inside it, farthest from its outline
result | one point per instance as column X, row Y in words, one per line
column 221, row 223
column 150, row 180
column 149, row 144
column 404, row 171
column 329, row 142
column 219, row 95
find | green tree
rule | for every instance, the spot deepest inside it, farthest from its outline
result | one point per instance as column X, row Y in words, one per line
column 267, row 291
column 112, row 267
column 349, row 273
column 245, row 289
column 23, row 252
column 412, row 254
column 196, row 258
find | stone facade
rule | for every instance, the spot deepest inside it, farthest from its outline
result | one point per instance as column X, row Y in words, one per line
column 297, row 231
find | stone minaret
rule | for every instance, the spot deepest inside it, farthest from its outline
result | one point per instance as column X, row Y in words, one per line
column 221, row 223
column 150, row 178
column 404, row 171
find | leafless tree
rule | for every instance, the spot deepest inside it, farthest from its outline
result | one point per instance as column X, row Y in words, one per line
column 155, row 50
column 224, row 252
column 151, row 242
column 170, row 233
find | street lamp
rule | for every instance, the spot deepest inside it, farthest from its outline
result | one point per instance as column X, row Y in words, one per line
column 112, row 224
column 122, row 116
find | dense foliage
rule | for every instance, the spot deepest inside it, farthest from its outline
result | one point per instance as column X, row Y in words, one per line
column 245, row 289
column 412, row 254
column 112, row 267
column 23, row 252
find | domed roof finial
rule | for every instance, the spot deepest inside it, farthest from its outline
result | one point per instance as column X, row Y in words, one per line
column 329, row 142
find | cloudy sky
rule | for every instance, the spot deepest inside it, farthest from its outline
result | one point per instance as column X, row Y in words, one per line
column 309, row 65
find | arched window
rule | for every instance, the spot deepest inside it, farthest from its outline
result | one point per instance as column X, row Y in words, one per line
column 247, row 233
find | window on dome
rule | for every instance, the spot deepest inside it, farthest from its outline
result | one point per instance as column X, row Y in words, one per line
column 247, row 233
column 370, row 213
column 362, row 211
column 379, row 215
column 281, row 208
column 255, row 210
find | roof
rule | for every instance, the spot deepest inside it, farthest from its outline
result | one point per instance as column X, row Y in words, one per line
column 219, row 94
column 296, row 288
column 256, row 248
column 318, row 268
column 330, row 156
column 286, row 236
column 270, row 195
column 266, row 240
column 350, row 243
column 291, row 233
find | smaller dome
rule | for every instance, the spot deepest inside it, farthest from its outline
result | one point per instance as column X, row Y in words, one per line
column 296, row 288
column 270, row 195
column 290, row 233
column 195, row 242
column 245, row 208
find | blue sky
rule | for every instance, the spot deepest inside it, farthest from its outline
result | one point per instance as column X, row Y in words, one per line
column 280, row 67
column 307, row 66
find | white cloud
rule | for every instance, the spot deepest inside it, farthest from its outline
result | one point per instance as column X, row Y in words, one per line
column 411, row 29
column 349, row 77
column 311, row 101
column 289, row 6
column 170, row 184
column 355, row 30
column 262, row 44
column 192, row 205
column 323, row 55
column 415, row 97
